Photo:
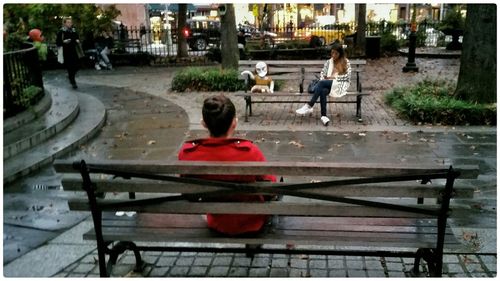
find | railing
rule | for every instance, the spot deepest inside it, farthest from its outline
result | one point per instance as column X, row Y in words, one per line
column 21, row 70
column 161, row 44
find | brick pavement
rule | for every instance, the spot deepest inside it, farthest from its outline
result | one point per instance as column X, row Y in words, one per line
column 379, row 76
column 192, row 264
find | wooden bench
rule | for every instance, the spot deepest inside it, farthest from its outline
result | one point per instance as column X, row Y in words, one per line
column 301, row 73
column 340, row 209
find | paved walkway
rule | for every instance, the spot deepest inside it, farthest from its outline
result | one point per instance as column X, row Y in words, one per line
column 380, row 75
column 141, row 109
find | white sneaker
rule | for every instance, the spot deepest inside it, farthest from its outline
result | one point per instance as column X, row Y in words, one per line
column 304, row 110
column 97, row 67
column 325, row 120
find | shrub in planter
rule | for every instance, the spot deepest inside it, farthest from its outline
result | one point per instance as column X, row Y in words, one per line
column 432, row 102
column 206, row 79
column 211, row 79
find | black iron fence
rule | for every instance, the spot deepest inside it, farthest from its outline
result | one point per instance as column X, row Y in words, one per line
column 22, row 79
column 159, row 46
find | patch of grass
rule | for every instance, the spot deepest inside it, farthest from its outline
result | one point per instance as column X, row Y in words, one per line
column 432, row 101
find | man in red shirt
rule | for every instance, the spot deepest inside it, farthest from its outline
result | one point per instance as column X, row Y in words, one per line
column 219, row 117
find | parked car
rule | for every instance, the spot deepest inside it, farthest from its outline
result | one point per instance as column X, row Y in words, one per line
column 326, row 34
column 200, row 33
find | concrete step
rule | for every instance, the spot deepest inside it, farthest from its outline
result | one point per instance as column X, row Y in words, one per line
column 63, row 111
column 90, row 119
column 20, row 119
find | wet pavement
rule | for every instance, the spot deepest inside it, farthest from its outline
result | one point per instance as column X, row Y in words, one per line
column 145, row 120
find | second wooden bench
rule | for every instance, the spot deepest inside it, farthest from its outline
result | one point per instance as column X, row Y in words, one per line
column 299, row 73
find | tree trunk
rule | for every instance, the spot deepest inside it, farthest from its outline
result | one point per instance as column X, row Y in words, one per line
column 478, row 69
column 360, row 46
column 229, row 39
column 182, row 50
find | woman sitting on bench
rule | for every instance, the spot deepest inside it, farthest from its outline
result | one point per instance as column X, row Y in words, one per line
column 219, row 117
column 335, row 79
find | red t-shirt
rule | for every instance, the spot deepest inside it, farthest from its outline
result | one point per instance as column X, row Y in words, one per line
column 230, row 149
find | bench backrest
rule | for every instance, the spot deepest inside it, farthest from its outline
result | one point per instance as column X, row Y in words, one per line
column 336, row 189
column 302, row 71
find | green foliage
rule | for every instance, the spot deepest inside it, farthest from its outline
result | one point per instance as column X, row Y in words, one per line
column 453, row 19
column 211, row 79
column 294, row 44
column 87, row 18
column 389, row 43
column 14, row 42
column 421, row 37
column 207, row 79
column 27, row 97
column 433, row 102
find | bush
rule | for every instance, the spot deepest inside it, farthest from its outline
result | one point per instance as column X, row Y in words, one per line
column 389, row 43
column 203, row 79
column 213, row 79
column 432, row 102
column 294, row 44
column 28, row 97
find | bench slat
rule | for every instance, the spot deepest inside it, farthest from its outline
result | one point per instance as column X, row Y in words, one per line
column 73, row 182
column 320, row 238
column 401, row 225
column 277, row 208
column 288, row 94
column 296, row 62
column 262, row 168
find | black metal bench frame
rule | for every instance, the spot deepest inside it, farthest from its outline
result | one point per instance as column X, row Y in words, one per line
column 433, row 256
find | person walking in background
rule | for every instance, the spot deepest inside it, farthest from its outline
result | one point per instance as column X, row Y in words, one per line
column 219, row 117
column 334, row 80
column 67, row 41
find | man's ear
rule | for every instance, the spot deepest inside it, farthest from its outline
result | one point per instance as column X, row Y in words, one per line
column 232, row 128
column 202, row 122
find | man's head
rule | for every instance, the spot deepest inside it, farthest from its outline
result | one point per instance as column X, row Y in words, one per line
column 219, row 116
column 68, row 22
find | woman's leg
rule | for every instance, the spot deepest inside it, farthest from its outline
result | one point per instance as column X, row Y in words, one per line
column 322, row 87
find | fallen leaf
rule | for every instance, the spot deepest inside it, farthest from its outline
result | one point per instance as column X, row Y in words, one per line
column 298, row 144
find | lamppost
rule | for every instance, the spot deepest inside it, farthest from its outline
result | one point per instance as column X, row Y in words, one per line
column 411, row 65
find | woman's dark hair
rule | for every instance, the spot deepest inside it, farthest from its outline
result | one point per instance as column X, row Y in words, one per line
column 342, row 66
column 338, row 47
column 218, row 114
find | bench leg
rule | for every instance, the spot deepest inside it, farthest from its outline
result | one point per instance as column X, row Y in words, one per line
column 434, row 262
column 358, row 108
column 251, row 248
column 119, row 249
column 248, row 107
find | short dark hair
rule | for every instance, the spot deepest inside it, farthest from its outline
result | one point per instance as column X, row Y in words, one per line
column 218, row 114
